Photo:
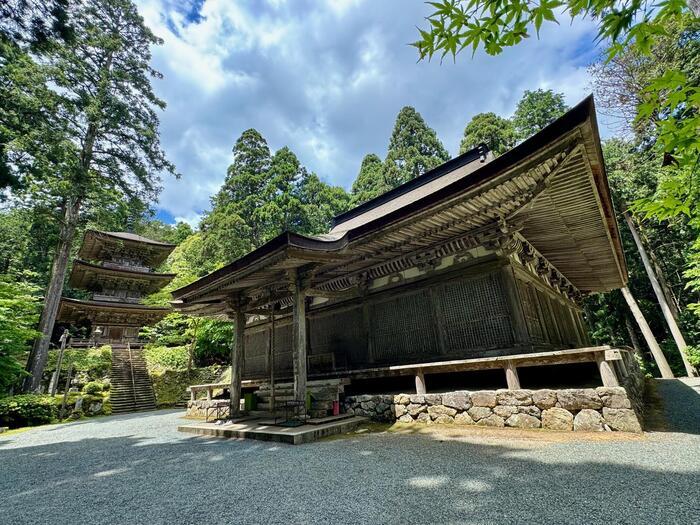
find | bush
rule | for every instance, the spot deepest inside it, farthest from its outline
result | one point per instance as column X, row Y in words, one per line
column 93, row 387
column 170, row 386
column 166, row 358
column 92, row 362
column 693, row 354
column 27, row 410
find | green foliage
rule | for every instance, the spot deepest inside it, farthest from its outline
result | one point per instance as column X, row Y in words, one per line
column 414, row 148
column 27, row 410
column 496, row 24
column 536, row 110
column 159, row 358
column 93, row 362
column 370, row 182
column 214, row 341
column 93, row 387
column 170, row 386
column 496, row 132
column 693, row 353
column 19, row 312
column 262, row 196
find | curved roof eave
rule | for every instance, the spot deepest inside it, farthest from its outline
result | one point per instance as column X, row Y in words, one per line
column 579, row 115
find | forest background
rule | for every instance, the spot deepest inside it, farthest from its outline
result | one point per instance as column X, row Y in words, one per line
column 80, row 149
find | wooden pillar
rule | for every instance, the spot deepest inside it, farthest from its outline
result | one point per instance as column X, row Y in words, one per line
column 53, row 385
column 237, row 363
column 668, row 315
column 420, row 382
column 271, row 359
column 659, row 356
column 607, row 374
column 512, row 376
column 299, row 327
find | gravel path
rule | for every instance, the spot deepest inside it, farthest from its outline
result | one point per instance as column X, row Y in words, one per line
column 138, row 469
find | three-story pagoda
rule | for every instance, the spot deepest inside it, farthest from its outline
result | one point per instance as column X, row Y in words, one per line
column 118, row 268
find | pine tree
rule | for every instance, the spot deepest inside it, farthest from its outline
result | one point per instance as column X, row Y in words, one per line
column 536, row 110
column 107, row 112
column 370, row 182
column 490, row 129
column 414, row 148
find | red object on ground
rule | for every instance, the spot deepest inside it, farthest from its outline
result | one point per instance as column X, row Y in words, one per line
column 336, row 408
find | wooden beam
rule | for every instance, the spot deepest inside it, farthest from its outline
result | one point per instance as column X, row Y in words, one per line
column 607, row 373
column 420, row 382
column 656, row 352
column 237, row 362
column 512, row 376
column 665, row 309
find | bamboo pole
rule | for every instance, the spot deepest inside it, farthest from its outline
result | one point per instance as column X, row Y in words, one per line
column 659, row 356
column 668, row 315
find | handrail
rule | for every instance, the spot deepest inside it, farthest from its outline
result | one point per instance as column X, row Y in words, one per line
column 131, row 364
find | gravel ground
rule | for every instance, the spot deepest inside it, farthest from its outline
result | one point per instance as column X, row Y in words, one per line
column 139, row 469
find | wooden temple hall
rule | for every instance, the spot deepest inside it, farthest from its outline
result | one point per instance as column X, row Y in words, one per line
column 478, row 264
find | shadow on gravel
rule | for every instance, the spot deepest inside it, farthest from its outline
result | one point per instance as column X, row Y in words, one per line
column 677, row 407
column 390, row 479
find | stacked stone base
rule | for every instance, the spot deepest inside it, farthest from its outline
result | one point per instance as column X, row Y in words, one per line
column 203, row 408
column 587, row 409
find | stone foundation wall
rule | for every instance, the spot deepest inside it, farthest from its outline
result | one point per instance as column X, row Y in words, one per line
column 585, row 409
column 198, row 407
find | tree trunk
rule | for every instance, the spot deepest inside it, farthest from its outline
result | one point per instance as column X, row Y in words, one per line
column 633, row 338
column 40, row 351
column 675, row 330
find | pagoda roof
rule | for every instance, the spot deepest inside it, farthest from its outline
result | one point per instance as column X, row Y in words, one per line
column 98, row 244
column 109, row 313
column 551, row 189
column 85, row 275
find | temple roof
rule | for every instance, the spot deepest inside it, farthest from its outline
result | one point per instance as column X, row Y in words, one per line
column 109, row 313
column 98, row 245
column 86, row 276
column 551, row 189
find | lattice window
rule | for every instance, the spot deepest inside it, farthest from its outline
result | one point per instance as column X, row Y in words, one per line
column 283, row 349
column 403, row 328
column 549, row 319
column 340, row 337
column 528, row 300
column 475, row 314
column 256, row 350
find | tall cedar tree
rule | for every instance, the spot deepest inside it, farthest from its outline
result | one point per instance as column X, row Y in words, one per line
column 414, row 148
column 496, row 132
column 370, row 182
column 107, row 110
column 536, row 110
column 262, row 196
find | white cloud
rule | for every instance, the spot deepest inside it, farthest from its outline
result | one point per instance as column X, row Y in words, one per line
column 326, row 79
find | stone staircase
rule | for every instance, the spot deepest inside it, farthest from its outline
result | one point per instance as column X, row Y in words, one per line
column 323, row 393
column 131, row 387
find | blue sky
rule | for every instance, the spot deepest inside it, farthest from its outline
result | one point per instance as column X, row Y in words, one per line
column 326, row 78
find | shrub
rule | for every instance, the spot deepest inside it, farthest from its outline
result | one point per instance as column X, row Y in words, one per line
column 693, row 354
column 93, row 362
column 27, row 410
column 93, row 387
column 166, row 358
column 170, row 386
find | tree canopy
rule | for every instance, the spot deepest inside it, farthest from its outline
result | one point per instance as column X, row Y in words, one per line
column 496, row 132
column 537, row 109
column 414, row 148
